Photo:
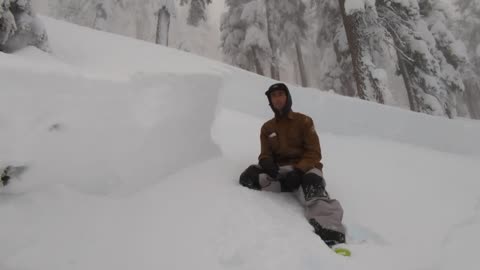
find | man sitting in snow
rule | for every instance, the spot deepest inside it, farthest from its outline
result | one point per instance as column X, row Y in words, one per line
column 289, row 159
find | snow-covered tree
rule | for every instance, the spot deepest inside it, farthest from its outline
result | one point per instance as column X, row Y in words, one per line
column 118, row 16
column 469, row 28
column 7, row 23
column 243, row 32
column 431, row 82
column 273, row 33
column 101, row 16
column 291, row 29
column 469, row 31
column 449, row 52
column 437, row 15
column 256, row 40
column 197, row 11
column 266, row 30
column 144, row 19
column 401, row 48
column 330, row 40
column 75, row 11
column 20, row 27
column 361, row 25
column 164, row 10
column 328, row 19
column 340, row 76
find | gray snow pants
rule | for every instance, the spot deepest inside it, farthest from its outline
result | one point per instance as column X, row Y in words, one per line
column 325, row 211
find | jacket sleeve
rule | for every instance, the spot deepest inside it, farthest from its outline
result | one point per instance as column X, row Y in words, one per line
column 311, row 145
column 265, row 150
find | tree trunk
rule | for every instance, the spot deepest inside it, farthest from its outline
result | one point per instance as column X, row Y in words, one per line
column 258, row 65
column 163, row 26
column 140, row 22
column 100, row 15
column 404, row 67
column 301, row 65
column 274, row 68
column 354, row 28
column 471, row 99
column 347, row 83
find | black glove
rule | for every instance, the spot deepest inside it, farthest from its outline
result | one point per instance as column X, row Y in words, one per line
column 292, row 180
column 269, row 167
column 5, row 177
column 249, row 178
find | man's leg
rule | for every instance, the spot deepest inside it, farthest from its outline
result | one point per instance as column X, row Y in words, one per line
column 322, row 212
column 255, row 178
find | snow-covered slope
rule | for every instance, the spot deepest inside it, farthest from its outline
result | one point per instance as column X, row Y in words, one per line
column 135, row 150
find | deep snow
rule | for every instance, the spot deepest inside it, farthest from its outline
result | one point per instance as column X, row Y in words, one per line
column 135, row 151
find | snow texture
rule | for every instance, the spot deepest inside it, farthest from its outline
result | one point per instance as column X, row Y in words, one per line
column 134, row 152
column 351, row 6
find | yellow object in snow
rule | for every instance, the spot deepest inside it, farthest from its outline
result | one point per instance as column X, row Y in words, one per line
column 343, row 251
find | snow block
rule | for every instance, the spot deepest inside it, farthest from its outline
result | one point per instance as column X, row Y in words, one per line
column 105, row 137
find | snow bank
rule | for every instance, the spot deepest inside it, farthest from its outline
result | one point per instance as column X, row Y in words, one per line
column 123, row 140
column 102, row 136
column 352, row 117
column 394, row 219
column 98, row 55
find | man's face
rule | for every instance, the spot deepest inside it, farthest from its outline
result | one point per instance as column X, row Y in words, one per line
column 279, row 99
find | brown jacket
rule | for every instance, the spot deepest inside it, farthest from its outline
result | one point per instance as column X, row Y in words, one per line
column 291, row 140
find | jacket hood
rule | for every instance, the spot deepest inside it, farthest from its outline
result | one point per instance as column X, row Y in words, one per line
column 288, row 105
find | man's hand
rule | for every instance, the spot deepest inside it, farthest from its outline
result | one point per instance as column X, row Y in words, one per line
column 269, row 166
column 5, row 178
column 292, row 180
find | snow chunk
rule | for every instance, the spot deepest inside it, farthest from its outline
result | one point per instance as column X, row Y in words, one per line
column 459, row 49
column 352, row 6
column 434, row 104
column 250, row 12
column 256, row 37
column 381, row 76
column 407, row 3
column 118, row 138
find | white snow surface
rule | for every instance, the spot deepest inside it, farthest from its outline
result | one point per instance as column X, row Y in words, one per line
column 134, row 152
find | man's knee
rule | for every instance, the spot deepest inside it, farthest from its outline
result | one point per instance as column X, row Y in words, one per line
column 313, row 177
column 250, row 177
column 313, row 186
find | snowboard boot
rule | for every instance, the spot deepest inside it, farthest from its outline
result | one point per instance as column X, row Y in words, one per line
column 330, row 237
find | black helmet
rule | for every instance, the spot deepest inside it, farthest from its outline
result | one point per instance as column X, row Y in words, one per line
column 275, row 87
